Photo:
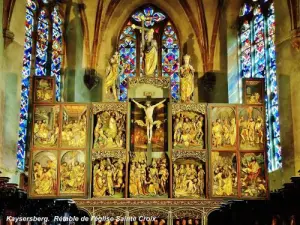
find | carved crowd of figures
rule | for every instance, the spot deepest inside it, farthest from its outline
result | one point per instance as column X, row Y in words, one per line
column 72, row 177
column 251, row 131
column 44, row 178
column 44, row 133
column 189, row 180
column 110, row 130
column 188, row 130
column 224, row 132
column 74, row 132
column 252, row 176
column 224, row 175
column 147, row 180
column 108, row 178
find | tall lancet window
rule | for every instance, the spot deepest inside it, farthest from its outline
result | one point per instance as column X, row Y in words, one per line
column 131, row 57
column 43, row 49
column 258, row 60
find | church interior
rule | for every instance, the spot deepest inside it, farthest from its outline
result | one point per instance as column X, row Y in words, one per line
column 162, row 112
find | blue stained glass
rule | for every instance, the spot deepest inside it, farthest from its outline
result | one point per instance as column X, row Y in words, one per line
column 258, row 16
column 29, row 23
column 246, row 9
column 31, row 5
column 259, row 31
column 272, row 9
column 40, row 70
column 170, row 60
column 150, row 17
column 246, row 63
column 271, row 24
column 29, row 28
column 57, row 46
column 42, row 44
column 261, row 69
column 127, row 51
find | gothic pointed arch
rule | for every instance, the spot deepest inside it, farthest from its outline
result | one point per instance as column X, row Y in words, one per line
column 129, row 42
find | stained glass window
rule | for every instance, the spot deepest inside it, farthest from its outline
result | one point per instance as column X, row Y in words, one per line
column 57, row 50
column 170, row 59
column 127, row 50
column 258, row 60
column 42, row 44
column 131, row 49
column 31, row 8
column 42, row 61
column 149, row 16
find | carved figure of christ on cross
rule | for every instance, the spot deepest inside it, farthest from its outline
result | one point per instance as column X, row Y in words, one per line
column 149, row 121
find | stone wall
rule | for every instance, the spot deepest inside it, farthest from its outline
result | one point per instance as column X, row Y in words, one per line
column 288, row 70
column 11, row 75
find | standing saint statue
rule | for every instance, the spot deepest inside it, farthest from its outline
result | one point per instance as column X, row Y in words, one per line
column 112, row 73
column 186, row 80
column 149, row 122
column 149, row 49
column 150, row 54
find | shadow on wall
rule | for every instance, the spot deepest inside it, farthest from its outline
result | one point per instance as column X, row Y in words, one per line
column 213, row 87
column 74, row 87
column 189, row 48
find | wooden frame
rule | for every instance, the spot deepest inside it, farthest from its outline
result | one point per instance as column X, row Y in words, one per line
column 143, row 147
column 173, row 154
column 42, row 116
column 33, row 154
column 201, row 157
column 47, row 84
column 85, row 114
column 238, row 151
column 115, row 107
column 84, row 174
column 180, row 109
column 58, row 148
column 109, row 152
column 253, row 91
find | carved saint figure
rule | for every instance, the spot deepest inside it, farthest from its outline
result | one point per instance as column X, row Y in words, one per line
column 108, row 178
column 150, row 54
column 44, row 178
column 109, row 131
column 189, row 182
column 149, row 122
column 46, row 129
column 112, row 73
column 186, row 80
column 252, row 175
column 148, row 180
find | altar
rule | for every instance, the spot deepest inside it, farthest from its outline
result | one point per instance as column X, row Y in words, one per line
column 149, row 148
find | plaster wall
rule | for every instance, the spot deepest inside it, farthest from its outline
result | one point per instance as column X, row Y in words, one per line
column 11, row 73
column 288, row 70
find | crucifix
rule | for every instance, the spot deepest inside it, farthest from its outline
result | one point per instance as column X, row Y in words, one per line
column 149, row 122
column 142, row 30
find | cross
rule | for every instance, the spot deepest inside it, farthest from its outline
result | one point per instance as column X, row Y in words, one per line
column 142, row 30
